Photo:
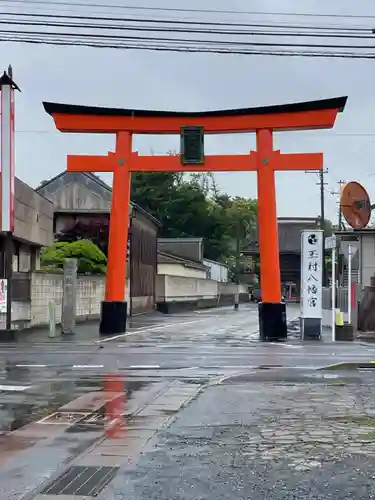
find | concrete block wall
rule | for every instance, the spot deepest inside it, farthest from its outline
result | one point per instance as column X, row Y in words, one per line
column 174, row 293
column 49, row 286
column 181, row 288
column 189, row 293
column 45, row 287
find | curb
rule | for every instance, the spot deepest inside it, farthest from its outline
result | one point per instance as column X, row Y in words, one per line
column 350, row 366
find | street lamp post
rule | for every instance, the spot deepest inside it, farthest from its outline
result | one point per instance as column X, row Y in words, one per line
column 7, row 88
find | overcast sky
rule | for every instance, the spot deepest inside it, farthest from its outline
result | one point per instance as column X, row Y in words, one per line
column 179, row 81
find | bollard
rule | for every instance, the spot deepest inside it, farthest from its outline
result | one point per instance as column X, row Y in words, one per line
column 51, row 319
column 68, row 309
column 236, row 298
column 339, row 318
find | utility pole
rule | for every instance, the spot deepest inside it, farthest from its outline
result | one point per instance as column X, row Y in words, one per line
column 339, row 260
column 321, row 184
column 238, row 255
column 340, row 183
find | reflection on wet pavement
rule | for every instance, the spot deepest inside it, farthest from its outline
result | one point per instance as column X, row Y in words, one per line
column 97, row 421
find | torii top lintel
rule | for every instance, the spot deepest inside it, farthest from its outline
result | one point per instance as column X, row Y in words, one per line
column 296, row 116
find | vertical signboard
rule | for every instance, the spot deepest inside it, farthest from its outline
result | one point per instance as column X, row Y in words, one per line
column 311, row 282
column 7, row 153
column 3, row 295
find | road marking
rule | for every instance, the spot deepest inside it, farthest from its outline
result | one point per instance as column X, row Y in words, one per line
column 149, row 329
column 88, row 366
column 292, row 346
column 14, row 388
column 31, row 366
column 143, row 367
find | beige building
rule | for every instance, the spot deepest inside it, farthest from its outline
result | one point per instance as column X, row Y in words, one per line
column 33, row 226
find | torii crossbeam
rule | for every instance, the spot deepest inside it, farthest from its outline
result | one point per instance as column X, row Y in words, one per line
column 265, row 161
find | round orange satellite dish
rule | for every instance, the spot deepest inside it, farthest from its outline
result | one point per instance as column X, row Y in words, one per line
column 355, row 205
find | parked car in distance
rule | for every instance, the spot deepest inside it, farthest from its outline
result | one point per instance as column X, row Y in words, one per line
column 256, row 296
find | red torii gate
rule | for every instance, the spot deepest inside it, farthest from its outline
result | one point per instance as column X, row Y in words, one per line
column 265, row 161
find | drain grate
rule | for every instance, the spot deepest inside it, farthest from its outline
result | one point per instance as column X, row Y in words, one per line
column 62, row 418
column 83, row 481
column 92, row 422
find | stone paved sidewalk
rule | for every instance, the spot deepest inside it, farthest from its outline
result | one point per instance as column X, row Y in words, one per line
column 253, row 439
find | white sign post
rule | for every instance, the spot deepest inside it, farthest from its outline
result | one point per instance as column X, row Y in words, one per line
column 350, row 284
column 3, row 295
column 330, row 244
column 349, row 249
column 311, row 283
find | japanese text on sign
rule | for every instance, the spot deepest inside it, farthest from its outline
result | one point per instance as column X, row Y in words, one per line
column 311, row 271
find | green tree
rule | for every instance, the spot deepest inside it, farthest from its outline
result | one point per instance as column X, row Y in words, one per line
column 242, row 217
column 91, row 260
column 327, row 226
column 182, row 207
column 191, row 206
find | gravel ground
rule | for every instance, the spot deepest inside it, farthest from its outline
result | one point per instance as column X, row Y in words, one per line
column 273, row 439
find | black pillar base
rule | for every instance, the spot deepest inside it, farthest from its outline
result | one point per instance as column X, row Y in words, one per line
column 113, row 317
column 8, row 336
column 272, row 321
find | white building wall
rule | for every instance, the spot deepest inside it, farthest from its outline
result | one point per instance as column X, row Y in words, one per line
column 170, row 269
column 217, row 271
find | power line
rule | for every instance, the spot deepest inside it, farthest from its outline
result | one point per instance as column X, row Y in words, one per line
column 188, row 22
column 99, row 40
column 181, row 10
column 168, row 47
column 211, row 31
column 229, row 43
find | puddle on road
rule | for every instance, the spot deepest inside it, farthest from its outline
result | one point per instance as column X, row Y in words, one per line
column 18, row 409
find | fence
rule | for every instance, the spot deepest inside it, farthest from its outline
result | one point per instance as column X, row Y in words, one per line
column 341, row 304
column 341, row 298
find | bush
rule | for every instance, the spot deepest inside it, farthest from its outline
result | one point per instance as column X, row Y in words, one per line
column 91, row 260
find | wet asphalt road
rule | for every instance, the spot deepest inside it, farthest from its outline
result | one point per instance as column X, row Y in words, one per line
column 201, row 346
column 39, row 376
column 221, row 340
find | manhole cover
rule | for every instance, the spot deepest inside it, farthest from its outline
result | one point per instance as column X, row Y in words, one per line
column 63, row 418
column 83, row 481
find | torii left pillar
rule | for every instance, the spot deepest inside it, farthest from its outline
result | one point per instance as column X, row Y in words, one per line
column 114, row 307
